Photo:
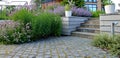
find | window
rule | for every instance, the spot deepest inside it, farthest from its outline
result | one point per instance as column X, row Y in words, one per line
column 90, row 0
column 91, row 7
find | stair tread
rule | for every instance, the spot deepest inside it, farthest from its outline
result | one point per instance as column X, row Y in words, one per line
column 91, row 24
column 84, row 33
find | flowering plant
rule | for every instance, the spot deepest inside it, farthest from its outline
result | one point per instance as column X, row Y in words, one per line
column 14, row 32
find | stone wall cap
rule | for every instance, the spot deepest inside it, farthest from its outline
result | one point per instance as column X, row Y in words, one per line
column 109, row 14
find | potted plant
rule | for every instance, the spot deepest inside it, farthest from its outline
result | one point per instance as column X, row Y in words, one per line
column 109, row 6
column 68, row 12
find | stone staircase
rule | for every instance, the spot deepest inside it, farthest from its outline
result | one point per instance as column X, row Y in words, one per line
column 88, row 29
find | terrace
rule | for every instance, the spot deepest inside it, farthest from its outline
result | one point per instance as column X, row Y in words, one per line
column 32, row 31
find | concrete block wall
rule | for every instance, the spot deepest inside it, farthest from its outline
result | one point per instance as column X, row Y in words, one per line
column 71, row 23
column 107, row 20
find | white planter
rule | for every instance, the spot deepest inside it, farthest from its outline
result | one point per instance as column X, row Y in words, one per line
column 109, row 9
column 68, row 13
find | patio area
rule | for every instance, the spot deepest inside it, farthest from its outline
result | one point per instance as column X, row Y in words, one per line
column 54, row 47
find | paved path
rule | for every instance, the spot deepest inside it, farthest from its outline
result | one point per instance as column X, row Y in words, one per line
column 54, row 47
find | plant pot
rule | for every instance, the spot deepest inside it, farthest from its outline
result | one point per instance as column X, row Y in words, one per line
column 109, row 9
column 68, row 13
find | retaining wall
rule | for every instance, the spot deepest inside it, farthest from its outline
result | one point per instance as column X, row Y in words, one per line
column 107, row 20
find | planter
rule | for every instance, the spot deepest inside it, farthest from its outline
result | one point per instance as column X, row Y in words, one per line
column 109, row 9
column 68, row 13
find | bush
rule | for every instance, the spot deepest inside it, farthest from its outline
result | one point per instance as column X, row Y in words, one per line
column 14, row 33
column 22, row 15
column 46, row 24
column 97, row 13
column 28, row 27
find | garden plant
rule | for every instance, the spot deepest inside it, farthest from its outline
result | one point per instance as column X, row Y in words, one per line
column 108, row 43
column 26, row 26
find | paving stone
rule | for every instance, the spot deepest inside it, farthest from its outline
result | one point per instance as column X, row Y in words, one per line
column 55, row 47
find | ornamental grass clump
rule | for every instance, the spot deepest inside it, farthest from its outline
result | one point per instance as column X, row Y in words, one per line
column 3, row 15
column 22, row 15
column 46, row 24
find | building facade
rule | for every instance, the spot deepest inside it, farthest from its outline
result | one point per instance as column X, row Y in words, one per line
column 93, row 5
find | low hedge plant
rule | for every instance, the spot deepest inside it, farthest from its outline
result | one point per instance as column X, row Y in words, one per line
column 109, row 43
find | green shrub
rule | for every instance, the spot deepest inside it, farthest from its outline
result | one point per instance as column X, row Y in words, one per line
column 3, row 15
column 29, row 27
column 22, row 15
column 97, row 13
column 46, row 24
column 102, row 40
column 56, row 26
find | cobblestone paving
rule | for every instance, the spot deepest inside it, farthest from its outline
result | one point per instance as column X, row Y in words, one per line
column 54, row 47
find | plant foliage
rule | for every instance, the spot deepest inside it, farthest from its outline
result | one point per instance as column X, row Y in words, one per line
column 22, row 15
column 67, row 7
column 97, row 13
column 112, row 44
column 46, row 24
column 107, row 2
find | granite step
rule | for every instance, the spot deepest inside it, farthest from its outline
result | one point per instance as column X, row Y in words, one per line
column 89, row 30
column 84, row 34
column 95, row 22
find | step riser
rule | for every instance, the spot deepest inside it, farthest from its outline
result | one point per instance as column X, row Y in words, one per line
column 94, row 22
column 90, row 26
column 87, row 30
